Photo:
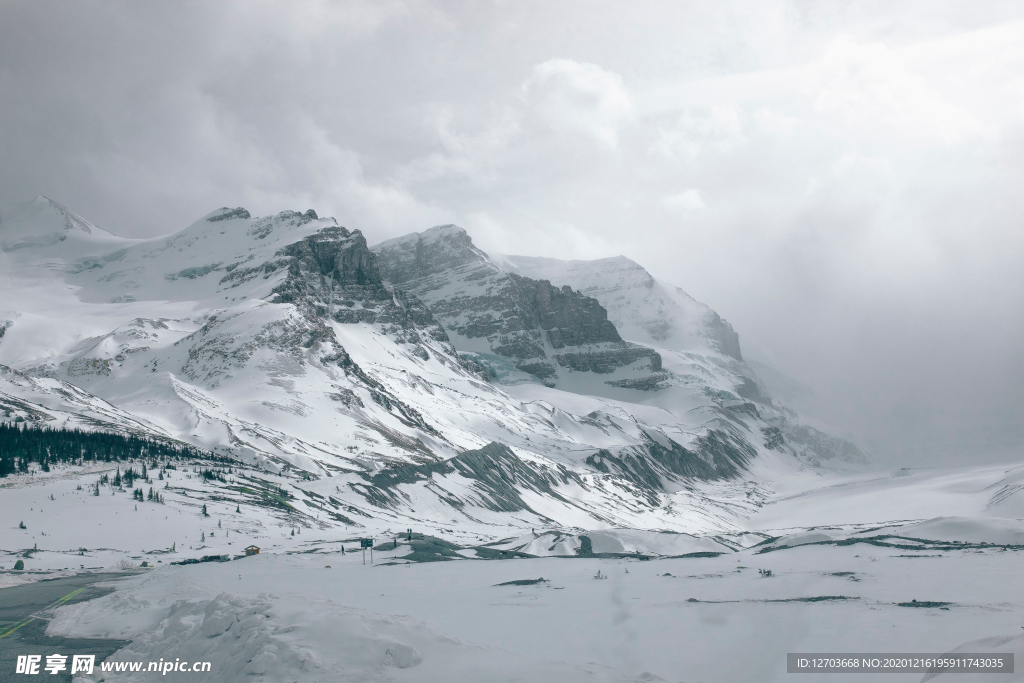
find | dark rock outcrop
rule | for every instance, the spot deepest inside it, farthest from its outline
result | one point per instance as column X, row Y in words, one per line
column 721, row 333
column 538, row 325
column 718, row 455
column 333, row 274
column 226, row 214
column 499, row 478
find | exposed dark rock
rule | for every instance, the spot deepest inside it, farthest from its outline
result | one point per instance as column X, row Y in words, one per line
column 817, row 446
column 193, row 273
column 498, row 474
column 346, row 397
column 228, row 214
column 773, row 438
column 568, row 317
column 540, row 369
column 923, row 603
column 524, row 582
column 652, row 382
column 521, row 318
column 722, row 334
column 749, row 389
column 411, row 259
column 331, row 258
column 718, row 456
column 333, row 273
column 609, row 359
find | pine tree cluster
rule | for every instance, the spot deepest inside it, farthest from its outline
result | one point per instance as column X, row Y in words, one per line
column 21, row 445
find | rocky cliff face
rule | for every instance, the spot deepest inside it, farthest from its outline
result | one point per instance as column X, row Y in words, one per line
column 543, row 329
column 642, row 308
column 332, row 274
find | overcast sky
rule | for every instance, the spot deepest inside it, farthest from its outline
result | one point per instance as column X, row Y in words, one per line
column 841, row 180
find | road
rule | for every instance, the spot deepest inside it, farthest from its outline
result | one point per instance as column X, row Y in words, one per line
column 24, row 611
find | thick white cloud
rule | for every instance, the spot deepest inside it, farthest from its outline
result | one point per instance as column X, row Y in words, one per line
column 579, row 97
column 686, row 201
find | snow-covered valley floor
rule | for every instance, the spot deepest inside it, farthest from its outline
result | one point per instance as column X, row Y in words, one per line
column 449, row 621
column 303, row 611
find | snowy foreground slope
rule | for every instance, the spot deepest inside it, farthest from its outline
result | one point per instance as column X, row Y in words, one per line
column 686, row 608
column 705, row 619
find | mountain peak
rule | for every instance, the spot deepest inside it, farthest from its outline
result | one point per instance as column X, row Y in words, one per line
column 449, row 233
column 444, row 230
column 432, row 251
column 43, row 222
column 225, row 214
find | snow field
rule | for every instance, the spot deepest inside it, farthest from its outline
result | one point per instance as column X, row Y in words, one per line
column 289, row 617
column 283, row 615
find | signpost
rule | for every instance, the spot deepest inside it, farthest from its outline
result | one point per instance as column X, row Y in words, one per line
column 364, row 544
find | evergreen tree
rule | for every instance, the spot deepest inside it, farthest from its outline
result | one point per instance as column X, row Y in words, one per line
column 205, row 513
column 6, row 464
column 22, row 444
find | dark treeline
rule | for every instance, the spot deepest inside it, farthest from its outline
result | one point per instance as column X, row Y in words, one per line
column 21, row 445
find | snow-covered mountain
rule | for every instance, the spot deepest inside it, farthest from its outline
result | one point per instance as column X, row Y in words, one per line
column 420, row 380
column 668, row 350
